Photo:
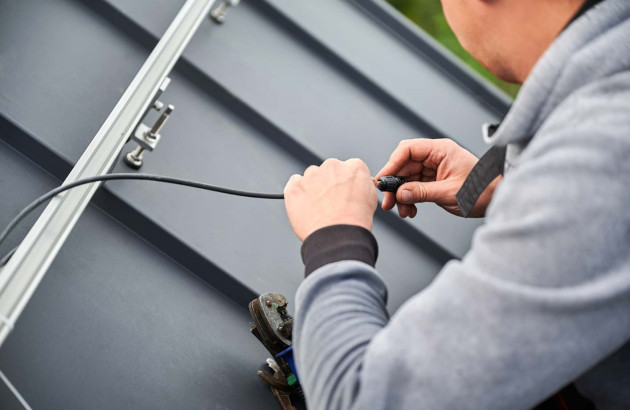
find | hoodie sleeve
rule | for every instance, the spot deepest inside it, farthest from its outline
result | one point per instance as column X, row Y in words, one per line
column 543, row 295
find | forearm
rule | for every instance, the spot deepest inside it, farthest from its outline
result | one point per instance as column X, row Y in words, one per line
column 340, row 308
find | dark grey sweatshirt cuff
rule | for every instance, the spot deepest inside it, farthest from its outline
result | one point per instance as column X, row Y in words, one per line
column 338, row 243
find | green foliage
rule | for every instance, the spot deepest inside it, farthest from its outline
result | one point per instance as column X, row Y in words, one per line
column 429, row 16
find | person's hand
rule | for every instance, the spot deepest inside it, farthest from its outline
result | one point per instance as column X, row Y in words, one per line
column 435, row 170
column 335, row 193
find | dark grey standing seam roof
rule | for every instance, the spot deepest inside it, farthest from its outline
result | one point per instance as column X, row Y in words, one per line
column 145, row 305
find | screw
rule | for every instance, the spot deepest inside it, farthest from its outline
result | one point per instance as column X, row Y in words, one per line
column 161, row 121
column 220, row 12
column 134, row 158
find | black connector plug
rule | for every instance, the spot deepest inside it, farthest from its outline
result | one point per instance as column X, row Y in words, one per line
column 389, row 183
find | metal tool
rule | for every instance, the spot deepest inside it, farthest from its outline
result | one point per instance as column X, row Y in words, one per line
column 389, row 183
column 273, row 327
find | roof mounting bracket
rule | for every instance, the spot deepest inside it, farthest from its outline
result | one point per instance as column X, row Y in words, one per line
column 156, row 104
column 219, row 14
column 148, row 137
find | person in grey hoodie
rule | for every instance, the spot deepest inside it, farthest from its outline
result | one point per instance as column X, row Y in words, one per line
column 542, row 299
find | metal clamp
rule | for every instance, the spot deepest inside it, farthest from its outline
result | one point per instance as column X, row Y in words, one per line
column 148, row 137
column 218, row 14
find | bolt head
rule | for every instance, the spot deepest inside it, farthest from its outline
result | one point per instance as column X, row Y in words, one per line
column 158, row 105
column 218, row 17
column 133, row 161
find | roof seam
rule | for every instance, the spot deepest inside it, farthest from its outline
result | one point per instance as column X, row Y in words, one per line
column 349, row 70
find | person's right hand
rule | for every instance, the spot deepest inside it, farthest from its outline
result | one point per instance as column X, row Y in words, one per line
column 435, row 170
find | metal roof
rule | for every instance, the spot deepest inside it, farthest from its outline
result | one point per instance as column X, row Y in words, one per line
column 145, row 304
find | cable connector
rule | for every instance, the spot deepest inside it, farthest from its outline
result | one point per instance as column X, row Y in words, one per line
column 389, row 183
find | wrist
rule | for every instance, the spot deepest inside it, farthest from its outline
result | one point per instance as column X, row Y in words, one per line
column 340, row 218
column 337, row 243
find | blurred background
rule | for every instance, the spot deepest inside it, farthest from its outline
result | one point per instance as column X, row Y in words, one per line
column 429, row 16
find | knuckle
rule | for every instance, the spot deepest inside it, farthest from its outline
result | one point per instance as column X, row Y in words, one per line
column 331, row 162
column 308, row 172
column 420, row 192
column 356, row 163
column 290, row 186
column 361, row 167
column 402, row 145
column 398, row 152
column 447, row 142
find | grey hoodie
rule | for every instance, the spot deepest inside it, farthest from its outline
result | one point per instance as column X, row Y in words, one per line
column 542, row 298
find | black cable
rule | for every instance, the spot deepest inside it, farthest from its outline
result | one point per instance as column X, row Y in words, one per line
column 109, row 177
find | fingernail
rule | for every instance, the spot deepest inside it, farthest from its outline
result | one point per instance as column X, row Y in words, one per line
column 406, row 196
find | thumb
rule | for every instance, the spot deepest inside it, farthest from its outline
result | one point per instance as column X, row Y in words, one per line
column 414, row 192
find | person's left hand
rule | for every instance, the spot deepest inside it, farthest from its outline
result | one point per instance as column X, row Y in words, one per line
column 335, row 193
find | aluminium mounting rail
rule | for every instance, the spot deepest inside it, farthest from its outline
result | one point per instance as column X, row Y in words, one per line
column 25, row 270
